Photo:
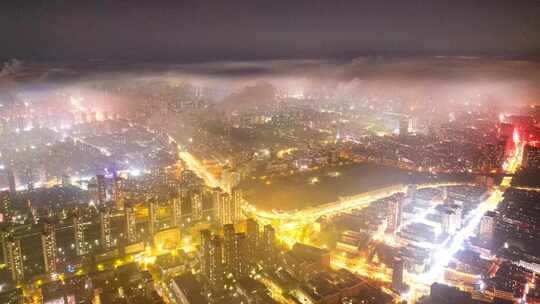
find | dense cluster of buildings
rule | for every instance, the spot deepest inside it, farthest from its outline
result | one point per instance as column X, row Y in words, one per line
column 109, row 214
column 500, row 262
column 230, row 263
column 118, row 220
column 45, row 157
column 282, row 138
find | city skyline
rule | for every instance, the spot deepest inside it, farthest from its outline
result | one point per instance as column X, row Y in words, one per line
column 252, row 152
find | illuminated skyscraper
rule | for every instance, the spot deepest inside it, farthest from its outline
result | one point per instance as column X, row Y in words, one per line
column 176, row 209
column 153, row 206
column 240, row 267
column 269, row 245
column 11, row 181
column 101, row 190
column 238, row 199
column 93, row 192
column 216, row 202
column 118, row 188
column 403, row 126
column 412, row 124
column 5, row 234
column 229, row 250
column 78, row 228
column 118, row 192
column 253, row 240
column 451, row 219
column 98, row 190
column 487, row 226
column 15, row 258
column 206, row 239
column 105, row 228
column 223, row 203
column 5, row 206
column 395, row 214
column 48, row 243
column 130, row 222
column 229, row 207
column 216, row 265
column 196, row 207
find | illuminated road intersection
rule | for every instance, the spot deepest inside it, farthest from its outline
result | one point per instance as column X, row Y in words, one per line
column 443, row 253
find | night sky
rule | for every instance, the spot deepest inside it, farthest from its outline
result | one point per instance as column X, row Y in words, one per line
column 191, row 31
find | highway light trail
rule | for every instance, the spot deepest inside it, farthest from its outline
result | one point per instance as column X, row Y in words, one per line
column 194, row 165
column 453, row 244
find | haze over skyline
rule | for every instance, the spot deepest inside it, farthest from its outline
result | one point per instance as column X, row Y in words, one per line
column 412, row 80
column 270, row 152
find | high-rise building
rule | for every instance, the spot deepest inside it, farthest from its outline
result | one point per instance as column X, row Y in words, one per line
column 451, row 219
column 240, row 266
column 6, row 206
column 105, row 228
column 399, row 210
column 78, row 228
column 395, row 214
column 118, row 194
column 223, row 209
column 33, row 212
column 397, row 275
column 196, row 206
column 93, row 192
column 216, row 265
column 403, row 126
column 153, row 206
column 48, row 243
column 229, row 250
column 413, row 124
column 269, row 245
column 130, row 222
column 206, row 242
column 238, row 200
column 228, row 207
column 176, row 208
column 101, row 190
column 118, row 188
column 15, row 258
column 217, row 194
column 253, row 241
column 5, row 234
column 487, row 226
column 11, row 181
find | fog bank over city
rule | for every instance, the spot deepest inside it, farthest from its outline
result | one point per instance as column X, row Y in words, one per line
column 410, row 80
